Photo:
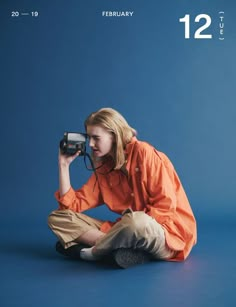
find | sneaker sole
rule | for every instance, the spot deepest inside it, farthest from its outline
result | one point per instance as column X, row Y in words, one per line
column 127, row 257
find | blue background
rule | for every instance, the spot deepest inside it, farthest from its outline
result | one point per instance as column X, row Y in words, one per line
column 70, row 61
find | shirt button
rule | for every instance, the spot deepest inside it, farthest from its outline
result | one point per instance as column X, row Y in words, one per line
column 132, row 194
column 136, row 169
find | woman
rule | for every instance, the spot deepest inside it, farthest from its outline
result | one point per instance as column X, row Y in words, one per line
column 134, row 180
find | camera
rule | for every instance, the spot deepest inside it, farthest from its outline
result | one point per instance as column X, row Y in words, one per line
column 73, row 142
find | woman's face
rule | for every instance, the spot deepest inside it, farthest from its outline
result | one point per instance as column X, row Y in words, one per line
column 100, row 140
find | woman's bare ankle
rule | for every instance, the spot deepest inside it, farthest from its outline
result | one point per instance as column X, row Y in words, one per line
column 90, row 237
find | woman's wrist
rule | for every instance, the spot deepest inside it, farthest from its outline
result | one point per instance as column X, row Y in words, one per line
column 63, row 167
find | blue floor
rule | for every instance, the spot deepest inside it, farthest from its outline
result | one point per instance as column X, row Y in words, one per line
column 33, row 274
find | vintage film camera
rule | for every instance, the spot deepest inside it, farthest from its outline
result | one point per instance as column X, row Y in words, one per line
column 73, row 142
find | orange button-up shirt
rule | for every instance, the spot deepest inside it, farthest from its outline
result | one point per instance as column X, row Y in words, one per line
column 152, row 185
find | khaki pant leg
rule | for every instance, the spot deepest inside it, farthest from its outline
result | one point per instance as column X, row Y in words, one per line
column 68, row 226
column 136, row 230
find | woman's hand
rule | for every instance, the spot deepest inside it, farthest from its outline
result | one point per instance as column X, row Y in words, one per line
column 65, row 160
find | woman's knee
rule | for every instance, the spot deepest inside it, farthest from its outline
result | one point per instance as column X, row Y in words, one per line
column 57, row 217
column 136, row 223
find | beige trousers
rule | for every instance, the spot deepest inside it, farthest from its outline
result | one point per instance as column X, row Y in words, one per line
column 135, row 230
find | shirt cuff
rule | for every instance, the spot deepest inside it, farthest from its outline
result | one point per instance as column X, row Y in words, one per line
column 65, row 199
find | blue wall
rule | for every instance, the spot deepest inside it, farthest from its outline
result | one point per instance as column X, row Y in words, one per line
column 69, row 61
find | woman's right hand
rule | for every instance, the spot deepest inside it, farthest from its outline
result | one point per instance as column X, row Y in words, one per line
column 65, row 160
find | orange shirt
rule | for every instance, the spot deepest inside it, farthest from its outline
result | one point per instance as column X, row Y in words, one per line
column 152, row 186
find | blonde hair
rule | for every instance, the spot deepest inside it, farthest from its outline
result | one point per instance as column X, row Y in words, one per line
column 115, row 123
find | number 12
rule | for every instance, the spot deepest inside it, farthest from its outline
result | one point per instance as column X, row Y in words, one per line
column 197, row 34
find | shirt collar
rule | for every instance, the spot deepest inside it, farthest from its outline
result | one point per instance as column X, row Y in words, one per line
column 128, row 152
column 130, row 145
